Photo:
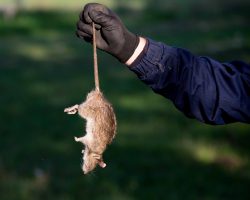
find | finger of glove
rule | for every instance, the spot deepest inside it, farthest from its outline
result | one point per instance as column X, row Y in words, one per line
column 89, row 8
column 97, row 26
column 84, row 36
column 101, row 18
column 86, row 28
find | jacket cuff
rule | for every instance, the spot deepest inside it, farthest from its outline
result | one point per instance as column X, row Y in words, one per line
column 138, row 52
column 155, row 62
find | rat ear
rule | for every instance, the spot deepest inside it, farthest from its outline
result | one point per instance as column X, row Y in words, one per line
column 102, row 164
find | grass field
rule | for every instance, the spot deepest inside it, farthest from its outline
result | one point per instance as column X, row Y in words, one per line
column 158, row 152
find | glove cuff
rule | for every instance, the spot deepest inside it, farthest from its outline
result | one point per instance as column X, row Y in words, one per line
column 131, row 42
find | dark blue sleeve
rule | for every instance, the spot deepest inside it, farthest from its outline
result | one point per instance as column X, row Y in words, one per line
column 200, row 87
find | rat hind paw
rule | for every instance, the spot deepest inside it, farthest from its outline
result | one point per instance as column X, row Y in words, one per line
column 72, row 110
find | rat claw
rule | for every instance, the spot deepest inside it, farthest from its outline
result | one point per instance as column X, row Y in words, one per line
column 72, row 112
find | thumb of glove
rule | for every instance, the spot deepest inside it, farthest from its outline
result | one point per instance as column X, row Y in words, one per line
column 102, row 19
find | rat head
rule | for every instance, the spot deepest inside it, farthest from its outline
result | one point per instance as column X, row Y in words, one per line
column 90, row 161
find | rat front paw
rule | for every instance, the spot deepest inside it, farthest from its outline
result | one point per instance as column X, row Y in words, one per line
column 80, row 139
column 100, row 161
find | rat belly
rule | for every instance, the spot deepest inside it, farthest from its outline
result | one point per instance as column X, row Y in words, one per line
column 95, row 139
column 89, row 126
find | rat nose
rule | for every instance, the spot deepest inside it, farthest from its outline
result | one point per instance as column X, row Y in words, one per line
column 84, row 168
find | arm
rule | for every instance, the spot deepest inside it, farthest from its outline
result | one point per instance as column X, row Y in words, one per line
column 200, row 87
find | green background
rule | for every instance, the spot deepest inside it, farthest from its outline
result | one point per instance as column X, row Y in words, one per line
column 158, row 152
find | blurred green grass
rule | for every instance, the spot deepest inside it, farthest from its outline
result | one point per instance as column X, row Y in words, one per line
column 158, row 153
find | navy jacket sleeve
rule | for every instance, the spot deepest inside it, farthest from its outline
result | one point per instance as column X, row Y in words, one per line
column 200, row 87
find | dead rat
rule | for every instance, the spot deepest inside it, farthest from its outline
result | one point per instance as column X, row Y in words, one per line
column 100, row 128
column 101, row 122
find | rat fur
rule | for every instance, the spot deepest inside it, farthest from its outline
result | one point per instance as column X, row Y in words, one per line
column 100, row 128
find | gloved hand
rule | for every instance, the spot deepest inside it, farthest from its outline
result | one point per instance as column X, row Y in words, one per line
column 111, row 35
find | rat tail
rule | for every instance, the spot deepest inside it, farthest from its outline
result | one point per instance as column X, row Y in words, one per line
column 97, row 85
